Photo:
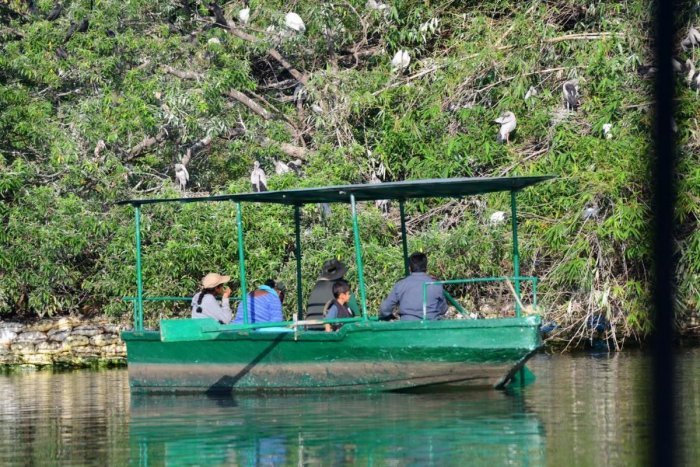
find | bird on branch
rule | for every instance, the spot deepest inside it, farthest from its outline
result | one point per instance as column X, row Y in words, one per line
column 258, row 178
column 571, row 94
column 55, row 12
column 294, row 22
column 400, row 61
column 182, row 176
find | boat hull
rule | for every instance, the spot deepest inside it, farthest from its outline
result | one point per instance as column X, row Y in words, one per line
column 361, row 356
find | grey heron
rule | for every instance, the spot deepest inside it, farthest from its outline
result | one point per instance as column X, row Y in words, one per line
column 571, row 94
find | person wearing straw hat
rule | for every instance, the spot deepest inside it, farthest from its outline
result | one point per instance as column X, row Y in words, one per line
column 204, row 302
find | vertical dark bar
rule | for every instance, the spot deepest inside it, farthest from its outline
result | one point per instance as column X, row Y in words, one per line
column 663, row 201
column 297, row 253
column 404, row 240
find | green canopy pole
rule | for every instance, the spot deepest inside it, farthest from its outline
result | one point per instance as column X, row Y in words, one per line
column 516, row 253
column 138, row 319
column 404, row 241
column 241, row 261
column 358, row 257
column 297, row 253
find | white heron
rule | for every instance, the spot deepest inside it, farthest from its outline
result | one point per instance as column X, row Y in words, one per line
column 258, row 178
column 281, row 168
column 692, row 39
column 182, row 175
column 401, row 60
column 244, row 15
column 531, row 92
column 508, row 123
column 294, row 22
column 214, row 41
column 607, row 130
column 589, row 213
column 693, row 77
column 383, row 205
column 571, row 94
column 375, row 5
column 429, row 26
column 498, row 217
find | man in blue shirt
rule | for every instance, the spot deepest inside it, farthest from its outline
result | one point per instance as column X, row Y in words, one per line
column 407, row 294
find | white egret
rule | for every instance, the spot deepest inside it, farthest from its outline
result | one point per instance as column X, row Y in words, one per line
column 498, row 217
column 182, row 176
column 258, row 178
column 244, row 15
column 294, row 22
column 571, row 94
column 607, row 133
column 508, row 123
column 400, row 61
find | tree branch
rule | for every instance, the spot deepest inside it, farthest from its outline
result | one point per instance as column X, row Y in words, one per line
column 250, row 103
column 182, row 74
column 146, row 143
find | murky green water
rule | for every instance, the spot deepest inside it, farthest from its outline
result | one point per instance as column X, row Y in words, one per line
column 582, row 410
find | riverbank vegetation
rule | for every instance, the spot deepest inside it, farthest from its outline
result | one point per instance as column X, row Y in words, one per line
column 100, row 100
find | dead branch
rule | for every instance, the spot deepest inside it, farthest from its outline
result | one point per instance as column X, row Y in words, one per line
column 589, row 36
column 182, row 74
column 250, row 103
column 146, row 143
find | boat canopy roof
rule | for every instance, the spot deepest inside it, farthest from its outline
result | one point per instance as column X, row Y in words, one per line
column 407, row 189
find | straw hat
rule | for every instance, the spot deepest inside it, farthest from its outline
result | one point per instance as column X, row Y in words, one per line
column 333, row 269
column 213, row 279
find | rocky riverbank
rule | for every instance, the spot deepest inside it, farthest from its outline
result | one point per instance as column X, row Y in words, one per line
column 65, row 342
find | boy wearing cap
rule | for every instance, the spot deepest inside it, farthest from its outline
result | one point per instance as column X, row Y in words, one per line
column 332, row 271
column 204, row 303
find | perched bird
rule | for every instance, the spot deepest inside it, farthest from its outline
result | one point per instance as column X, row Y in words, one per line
column 400, row 61
column 295, row 165
column 182, row 176
column 589, row 213
column 83, row 26
column 384, row 205
column 281, row 168
column 508, row 123
column 498, row 217
column 214, row 41
column 646, row 71
column 258, row 178
column 294, row 22
column 99, row 147
column 317, row 109
column 677, row 66
column 325, row 210
column 375, row 5
column 244, row 15
column 55, row 12
column 571, row 95
column 607, row 133
column 532, row 92
column 691, row 40
column 429, row 26
column 693, row 77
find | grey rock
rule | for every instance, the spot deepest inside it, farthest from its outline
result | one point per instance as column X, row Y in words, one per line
column 31, row 337
column 7, row 336
column 49, row 347
column 13, row 327
column 86, row 330
column 101, row 340
column 77, row 340
column 22, row 348
column 58, row 335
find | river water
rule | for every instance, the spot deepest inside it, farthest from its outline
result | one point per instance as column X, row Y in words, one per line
column 583, row 409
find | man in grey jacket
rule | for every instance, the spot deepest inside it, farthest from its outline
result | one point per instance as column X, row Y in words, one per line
column 407, row 294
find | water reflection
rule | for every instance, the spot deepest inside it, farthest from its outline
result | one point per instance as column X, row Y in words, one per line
column 387, row 429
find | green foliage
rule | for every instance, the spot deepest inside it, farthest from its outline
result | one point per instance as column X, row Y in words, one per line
column 159, row 72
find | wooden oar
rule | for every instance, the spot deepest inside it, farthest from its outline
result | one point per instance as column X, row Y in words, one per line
column 527, row 310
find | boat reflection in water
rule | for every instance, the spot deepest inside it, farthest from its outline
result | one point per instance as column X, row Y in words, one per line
column 484, row 427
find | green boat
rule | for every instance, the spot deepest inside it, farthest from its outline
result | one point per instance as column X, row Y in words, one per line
column 201, row 355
